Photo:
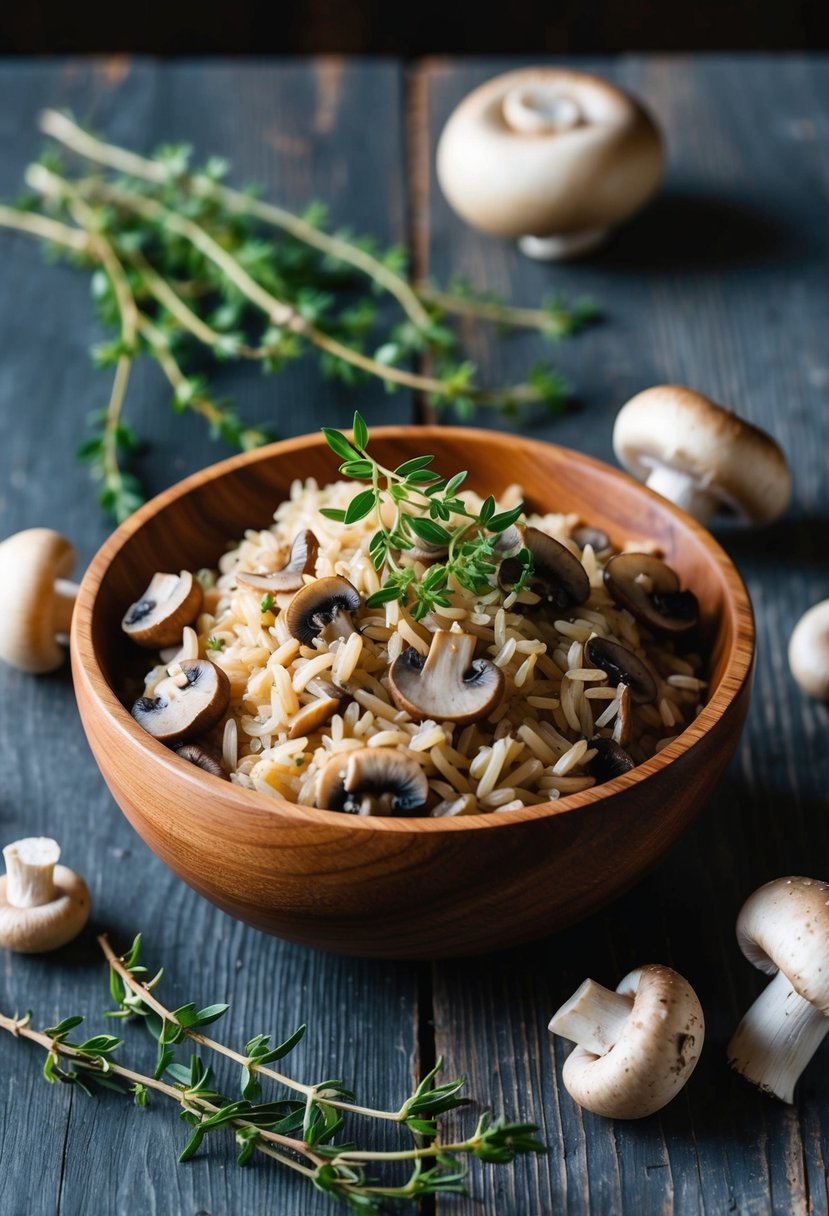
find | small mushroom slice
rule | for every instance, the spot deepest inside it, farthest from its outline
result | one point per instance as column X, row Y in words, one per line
column 313, row 715
column 558, row 577
column 372, row 781
column 449, row 684
column 650, row 591
column 202, row 757
column 323, row 608
column 170, row 602
column 186, row 704
column 623, row 667
column 610, row 760
column 301, row 560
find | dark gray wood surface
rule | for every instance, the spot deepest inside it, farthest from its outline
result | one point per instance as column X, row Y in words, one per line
column 721, row 283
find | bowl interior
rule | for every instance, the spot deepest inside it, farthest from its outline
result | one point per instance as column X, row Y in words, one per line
column 190, row 525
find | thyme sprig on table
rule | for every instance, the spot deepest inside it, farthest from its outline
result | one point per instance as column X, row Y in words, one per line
column 427, row 509
column 187, row 269
column 296, row 1131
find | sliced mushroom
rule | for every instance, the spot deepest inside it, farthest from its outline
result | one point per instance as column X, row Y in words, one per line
column 650, row 591
column 623, row 667
column 558, row 577
column 449, row 684
column 323, row 609
column 170, row 602
column 302, row 560
column 187, row 703
column 313, row 715
column 623, row 726
column 427, row 553
column 203, row 758
column 372, row 781
column 610, row 760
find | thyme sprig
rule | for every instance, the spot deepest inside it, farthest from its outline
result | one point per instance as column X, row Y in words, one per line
column 427, row 510
column 187, row 268
column 298, row 1131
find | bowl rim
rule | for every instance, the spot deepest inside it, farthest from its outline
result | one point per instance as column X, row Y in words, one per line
column 737, row 672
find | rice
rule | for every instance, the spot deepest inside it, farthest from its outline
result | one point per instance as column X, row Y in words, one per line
column 534, row 745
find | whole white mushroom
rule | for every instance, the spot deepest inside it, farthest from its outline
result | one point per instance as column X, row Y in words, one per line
column 554, row 157
column 809, row 651
column 635, row 1047
column 36, row 599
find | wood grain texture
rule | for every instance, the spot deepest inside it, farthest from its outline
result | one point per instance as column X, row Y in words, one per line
column 299, row 130
column 414, row 887
column 720, row 284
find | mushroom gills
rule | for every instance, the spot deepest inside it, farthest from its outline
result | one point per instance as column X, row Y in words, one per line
column 448, row 684
column 323, row 609
column 203, row 758
column 372, row 781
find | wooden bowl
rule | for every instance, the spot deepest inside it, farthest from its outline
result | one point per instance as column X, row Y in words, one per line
column 404, row 888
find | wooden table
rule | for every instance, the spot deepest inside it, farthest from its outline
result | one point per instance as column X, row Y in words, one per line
column 722, row 284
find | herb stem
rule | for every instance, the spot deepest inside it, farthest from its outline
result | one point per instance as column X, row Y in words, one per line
column 555, row 323
column 311, row 1092
column 44, row 227
column 67, row 132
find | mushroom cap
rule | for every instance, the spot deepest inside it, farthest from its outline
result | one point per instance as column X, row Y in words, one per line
column 735, row 462
column 170, row 602
column 372, row 781
column 46, row 926
column 180, row 712
column 30, row 561
column 784, row 926
column 507, row 169
column 650, row 590
column 655, row 1054
column 558, row 576
column 809, row 651
column 301, row 560
column 610, row 761
column 623, row 666
column 449, row 684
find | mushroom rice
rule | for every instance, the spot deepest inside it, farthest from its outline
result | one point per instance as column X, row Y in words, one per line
column 565, row 710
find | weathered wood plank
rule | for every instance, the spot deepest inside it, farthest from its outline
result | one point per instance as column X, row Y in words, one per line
column 299, row 129
column 721, row 283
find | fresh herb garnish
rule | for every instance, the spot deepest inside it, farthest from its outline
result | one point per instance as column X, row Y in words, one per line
column 296, row 1131
column 215, row 643
column 427, row 510
column 183, row 263
column 267, row 602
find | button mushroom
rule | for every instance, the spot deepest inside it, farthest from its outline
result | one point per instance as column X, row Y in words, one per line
column 558, row 577
column 449, row 684
column 701, row 456
column 809, row 651
column 42, row 905
column 372, row 781
column 783, row 929
column 622, row 666
column 650, row 591
column 636, row 1047
column 301, row 560
column 323, row 609
column 170, row 602
column 187, row 703
column 553, row 157
column 36, row 599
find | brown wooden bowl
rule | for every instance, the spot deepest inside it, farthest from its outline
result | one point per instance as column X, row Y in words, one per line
column 404, row 888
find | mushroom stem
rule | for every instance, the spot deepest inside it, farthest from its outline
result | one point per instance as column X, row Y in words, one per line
column 777, row 1038
column 562, row 247
column 594, row 1017
column 684, row 491
column 30, row 867
column 66, row 592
